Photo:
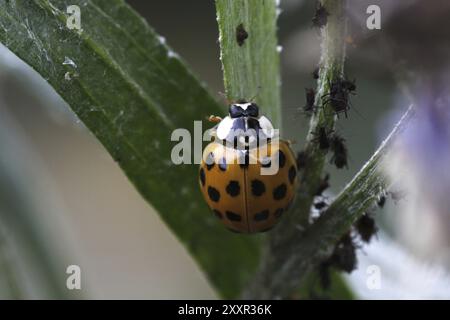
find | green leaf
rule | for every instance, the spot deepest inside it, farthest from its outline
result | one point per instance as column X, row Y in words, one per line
column 132, row 91
column 251, row 67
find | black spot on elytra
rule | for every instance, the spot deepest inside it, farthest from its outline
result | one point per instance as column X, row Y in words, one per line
column 218, row 214
column 233, row 188
column 209, row 161
column 258, row 187
column 280, row 192
column 202, row 177
column 278, row 212
column 281, row 159
column 261, row 216
column 292, row 174
column 241, row 34
column 265, row 162
column 223, row 164
column 213, row 194
column 233, row 216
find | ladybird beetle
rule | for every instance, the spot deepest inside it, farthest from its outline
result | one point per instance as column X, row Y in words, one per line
column 231, row 172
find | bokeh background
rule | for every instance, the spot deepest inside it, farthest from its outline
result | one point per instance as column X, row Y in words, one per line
column 84, row 206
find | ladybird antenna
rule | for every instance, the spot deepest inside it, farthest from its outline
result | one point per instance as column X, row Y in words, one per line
column 258, row 89
column 223, row 95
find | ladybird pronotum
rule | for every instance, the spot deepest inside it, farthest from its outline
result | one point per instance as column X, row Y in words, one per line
column 243, row 199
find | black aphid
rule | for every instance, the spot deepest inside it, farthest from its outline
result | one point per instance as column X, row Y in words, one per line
column 343, row 258
column 320, row 18
column 381, row 202
column 339, row 150
column 315, row 73
column 322, row 137
column 324, row 275
column 344, row 255
column 310, row 98
column 366, row 227
column 348, row 85
column 320, row 205
column 338, row 98
column 302, row 159
column 241, row 34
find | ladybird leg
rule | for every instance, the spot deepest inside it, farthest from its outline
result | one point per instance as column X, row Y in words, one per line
column 214, row 119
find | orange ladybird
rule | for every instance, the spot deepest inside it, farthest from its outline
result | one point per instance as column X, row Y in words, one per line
column 247, row 175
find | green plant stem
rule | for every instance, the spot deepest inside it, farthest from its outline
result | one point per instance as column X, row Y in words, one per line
column 252, row 68
column 331, row 67
column 283, row 270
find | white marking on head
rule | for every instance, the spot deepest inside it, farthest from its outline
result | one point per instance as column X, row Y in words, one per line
column 224, row 127
column 244, row 106
column 266, row 126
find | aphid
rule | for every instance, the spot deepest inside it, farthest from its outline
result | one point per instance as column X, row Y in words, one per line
column 323, row 185
column 338, row 98
column 302, row 159
column 348, row 85
column 344, row 255
column 320, row 18
column 381, row 202
column 343, row 258
column 324, row 274
column 322, row 137
column 337, row 146
column 315, row 73
column 366, row 227
column 241, row 34
column 310, row 98
column 397, row 195
column 320, row 205
column 244, row 199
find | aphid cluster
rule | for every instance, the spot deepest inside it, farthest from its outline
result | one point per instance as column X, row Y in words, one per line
column 339, row 150
column 339, row 96
column 328, row 140
column 344, row 257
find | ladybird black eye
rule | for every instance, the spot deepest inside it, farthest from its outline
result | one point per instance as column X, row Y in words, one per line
column 253, row 110
column 235, row 111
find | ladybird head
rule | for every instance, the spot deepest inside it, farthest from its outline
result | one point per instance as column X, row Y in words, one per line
column 244, row 121
column 244, row 109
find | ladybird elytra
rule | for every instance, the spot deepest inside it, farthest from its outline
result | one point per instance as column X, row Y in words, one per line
column 230, row 178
